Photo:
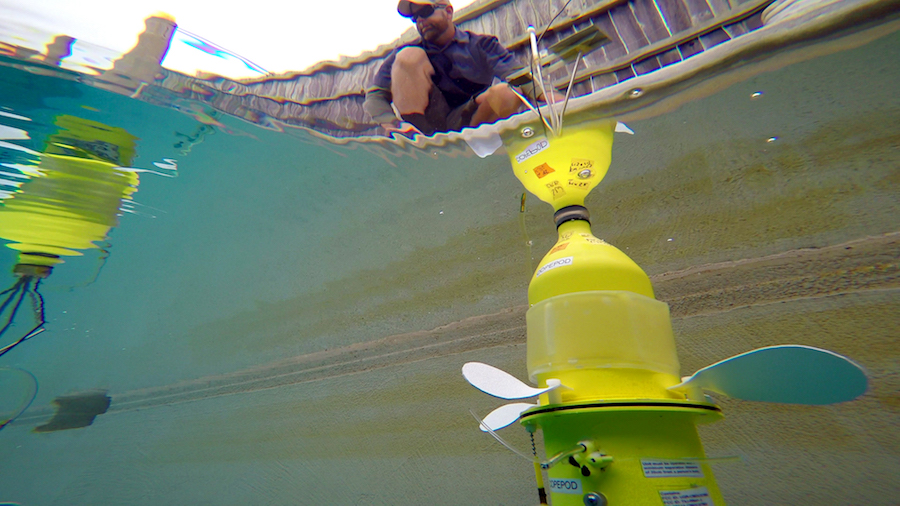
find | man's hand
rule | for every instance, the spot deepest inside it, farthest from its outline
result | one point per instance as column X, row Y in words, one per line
column 401, row 127
column 557, row 97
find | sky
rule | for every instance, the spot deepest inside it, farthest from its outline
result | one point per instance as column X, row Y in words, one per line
column 276, row 36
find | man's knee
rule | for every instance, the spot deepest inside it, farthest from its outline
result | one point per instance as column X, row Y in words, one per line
column 502, row 99
column 410, row 58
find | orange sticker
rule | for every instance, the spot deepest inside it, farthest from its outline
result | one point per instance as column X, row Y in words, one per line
column 542, row 170
column 558, row 248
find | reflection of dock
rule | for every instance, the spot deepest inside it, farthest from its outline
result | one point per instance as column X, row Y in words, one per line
column 143, row 64
column 140, row 66
column 644, row 36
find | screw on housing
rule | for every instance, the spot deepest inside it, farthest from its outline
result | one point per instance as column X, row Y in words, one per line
column 595, row 499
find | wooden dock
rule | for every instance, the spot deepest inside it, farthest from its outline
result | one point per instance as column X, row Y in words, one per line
column 645, row 35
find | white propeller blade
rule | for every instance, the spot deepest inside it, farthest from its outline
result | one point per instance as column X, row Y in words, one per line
column 493, row 381
column 504, row 415
column 789, row 374
column 623, row 128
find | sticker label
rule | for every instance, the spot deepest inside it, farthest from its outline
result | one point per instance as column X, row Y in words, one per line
column 559, row 248
column 692, row 497
column 671, row 469
column 556, row 190
column 542, row 170
column 565, row 486
column 580, row 164
column 559, row 262
column 532, row 149
column 578, row 184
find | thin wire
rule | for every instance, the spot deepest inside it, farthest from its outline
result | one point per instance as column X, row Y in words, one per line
column 552, row 20
column 28, row 404
column 37, row 301
column 15, row 289
column 534, row 57
column 498, row 438
column 16, row 285
column 534, row 88
column 37, row 305
column 35, row 331
column 538, row 473
column 568, row 92
column 12, row 314
column 525, row 100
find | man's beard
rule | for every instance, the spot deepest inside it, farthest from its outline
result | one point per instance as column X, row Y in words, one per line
column 428, row 32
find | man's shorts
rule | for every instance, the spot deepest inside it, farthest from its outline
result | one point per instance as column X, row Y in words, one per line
column 442, row 118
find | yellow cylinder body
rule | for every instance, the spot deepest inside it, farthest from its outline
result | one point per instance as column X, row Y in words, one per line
column 581, row 262
column 657, row 457
column 603, row 344
column 618, row 433
column 561, row 171
column 80, row 163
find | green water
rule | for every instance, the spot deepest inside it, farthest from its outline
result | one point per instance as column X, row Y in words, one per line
column 251, row 318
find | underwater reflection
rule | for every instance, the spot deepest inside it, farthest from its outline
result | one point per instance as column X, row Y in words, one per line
column 65, row 200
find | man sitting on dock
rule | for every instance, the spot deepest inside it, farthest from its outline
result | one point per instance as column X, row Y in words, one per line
column 449, row 79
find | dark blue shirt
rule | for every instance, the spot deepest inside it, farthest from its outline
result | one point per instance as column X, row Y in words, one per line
column 463, row 68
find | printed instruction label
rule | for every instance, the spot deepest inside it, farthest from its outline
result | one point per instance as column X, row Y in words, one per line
column 671, row 468
column 565, row 486
column 692, row 497
column 559, row 262
column 532, row 149
column 580, row 164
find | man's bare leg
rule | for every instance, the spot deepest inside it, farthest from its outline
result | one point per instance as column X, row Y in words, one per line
column 411, row 80
column 495, row 103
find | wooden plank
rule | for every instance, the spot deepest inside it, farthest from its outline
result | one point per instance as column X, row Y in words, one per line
column 735, row 30
column 562, row 24
column 596, row 58
column 714, row 38
column 582, row 88
column 604, row 80
column 527, row 14
column 624, row 74
column 615, row 48
column 669, row 57
column 646, row 66
column 506, row 20
column 474, row 25
column 675, row 14
column 331, row 83
column 628, row 27
column 651, row 22
column 754, row 21
column 753, row 10
column 476, row 9
column 489, row 22
column 690, row 48
column 720, row 7
column 699, row 10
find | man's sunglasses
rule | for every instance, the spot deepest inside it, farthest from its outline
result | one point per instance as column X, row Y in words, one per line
column 425, row 12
